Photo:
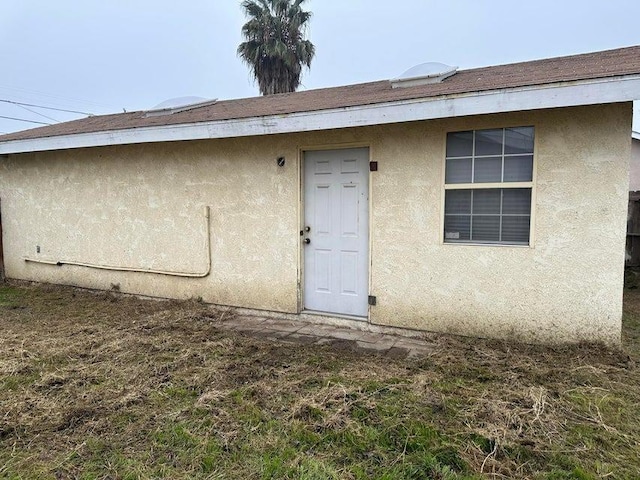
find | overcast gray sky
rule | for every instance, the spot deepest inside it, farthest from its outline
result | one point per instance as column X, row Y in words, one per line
column 100, row 56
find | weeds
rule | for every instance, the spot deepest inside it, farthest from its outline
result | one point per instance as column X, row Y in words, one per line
column 102, row 385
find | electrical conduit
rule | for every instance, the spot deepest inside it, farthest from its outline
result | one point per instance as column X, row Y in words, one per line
column 207, row 215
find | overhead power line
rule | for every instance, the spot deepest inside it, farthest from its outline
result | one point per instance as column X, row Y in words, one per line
column 37, row 113
column 47, row 108
column 57, row 98
column 24, row 120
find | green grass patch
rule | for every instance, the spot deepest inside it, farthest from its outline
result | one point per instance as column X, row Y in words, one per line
column 96, row 386
column 10, row 296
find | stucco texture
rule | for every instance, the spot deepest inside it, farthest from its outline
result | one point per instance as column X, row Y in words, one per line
column 142, row 206
column 566, row 287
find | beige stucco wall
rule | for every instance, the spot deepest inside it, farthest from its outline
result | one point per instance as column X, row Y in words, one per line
column 143, row 206
column 634, row 171
column 566, row 286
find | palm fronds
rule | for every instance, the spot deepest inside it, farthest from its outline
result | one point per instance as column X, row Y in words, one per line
column 275, row 48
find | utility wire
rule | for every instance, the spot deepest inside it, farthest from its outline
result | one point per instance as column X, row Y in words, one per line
column 42, row 106
column 37, row 113
column 24, row 120
column 58, row 98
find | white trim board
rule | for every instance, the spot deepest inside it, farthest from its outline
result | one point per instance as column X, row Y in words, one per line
column 584, row 92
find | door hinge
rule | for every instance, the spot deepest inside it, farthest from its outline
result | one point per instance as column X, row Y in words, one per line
column 373, row 166
column 372, row 300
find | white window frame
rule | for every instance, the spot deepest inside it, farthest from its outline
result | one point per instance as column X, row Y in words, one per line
column 492, row 185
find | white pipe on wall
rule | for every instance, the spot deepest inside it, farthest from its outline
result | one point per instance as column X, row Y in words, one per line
column 140, row 270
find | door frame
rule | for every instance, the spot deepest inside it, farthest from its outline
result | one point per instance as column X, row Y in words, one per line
column 301, row 219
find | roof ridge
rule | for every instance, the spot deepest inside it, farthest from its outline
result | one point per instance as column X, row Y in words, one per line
column 551, row 59
column 619, row 62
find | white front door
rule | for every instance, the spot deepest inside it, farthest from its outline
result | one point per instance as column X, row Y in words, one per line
column 336, row 212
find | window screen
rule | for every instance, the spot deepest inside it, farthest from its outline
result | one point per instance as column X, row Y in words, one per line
column 479, row 205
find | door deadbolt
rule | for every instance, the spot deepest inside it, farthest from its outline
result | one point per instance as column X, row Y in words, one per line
column 307, row 241
column 307, row 229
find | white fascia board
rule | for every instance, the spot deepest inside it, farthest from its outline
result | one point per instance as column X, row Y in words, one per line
column 635, row 135
column 600, row 91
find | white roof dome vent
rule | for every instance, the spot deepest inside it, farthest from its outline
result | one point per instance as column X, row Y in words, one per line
column 180, row 104
column 423, row 74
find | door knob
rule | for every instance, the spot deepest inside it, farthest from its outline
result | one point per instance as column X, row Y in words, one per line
column 307, row 241
column 307, row 229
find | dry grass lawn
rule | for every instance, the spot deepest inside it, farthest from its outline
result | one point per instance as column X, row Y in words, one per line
column 103, row 385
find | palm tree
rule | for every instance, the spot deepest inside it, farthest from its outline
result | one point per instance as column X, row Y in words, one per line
column 274, row 48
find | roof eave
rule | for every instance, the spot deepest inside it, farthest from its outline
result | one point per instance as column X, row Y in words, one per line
column 555, row 95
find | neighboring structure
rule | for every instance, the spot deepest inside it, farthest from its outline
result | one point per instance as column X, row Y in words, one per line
column 634, row 171
column 488, row 202
column 632, row 257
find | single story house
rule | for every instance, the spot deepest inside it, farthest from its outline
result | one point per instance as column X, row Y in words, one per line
column 486, row 202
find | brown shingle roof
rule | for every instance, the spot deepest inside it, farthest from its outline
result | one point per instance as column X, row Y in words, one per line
column 622, row 61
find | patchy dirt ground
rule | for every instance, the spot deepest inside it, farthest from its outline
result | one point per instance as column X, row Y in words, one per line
column 100, row 385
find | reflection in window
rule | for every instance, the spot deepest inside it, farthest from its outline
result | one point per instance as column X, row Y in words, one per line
column 493, row 213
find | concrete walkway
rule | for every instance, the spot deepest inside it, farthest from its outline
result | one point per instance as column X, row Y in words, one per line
column 302, row 332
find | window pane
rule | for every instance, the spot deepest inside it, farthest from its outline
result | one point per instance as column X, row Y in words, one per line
column 484, row 214
column 489, row 142
column 457, row 202
column 486, row 202
column 518, row 169
column 460, row 144
column 518, row 140
column 458, row 171
column 487, row 170
column 515, row 229
column 516, row 201
column 456, row 227
column 485, row 229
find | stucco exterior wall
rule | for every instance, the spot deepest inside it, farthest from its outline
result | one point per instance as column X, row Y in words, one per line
column 142, row 206
column 567, row 286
